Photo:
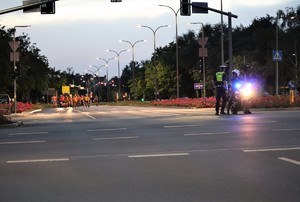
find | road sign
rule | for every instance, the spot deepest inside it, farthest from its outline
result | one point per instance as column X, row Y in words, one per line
column 196, row 9
column 198, row 86
column 14, row 56
column 200, row 41
column 277, row 55
column 13, row 46
column 48, row 8
column 201, row 54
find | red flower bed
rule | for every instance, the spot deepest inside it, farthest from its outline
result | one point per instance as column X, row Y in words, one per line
column 21, row 107
column 257, row 102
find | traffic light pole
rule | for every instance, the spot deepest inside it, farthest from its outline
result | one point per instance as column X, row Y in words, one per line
column 28, row 6
column 230, row 16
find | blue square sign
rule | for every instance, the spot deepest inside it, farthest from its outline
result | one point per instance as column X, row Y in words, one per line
column 277, row 55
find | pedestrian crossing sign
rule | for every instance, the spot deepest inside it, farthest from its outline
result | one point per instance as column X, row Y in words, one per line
column 277, row 55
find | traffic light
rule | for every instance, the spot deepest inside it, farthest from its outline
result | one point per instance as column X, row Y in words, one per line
column 185, row 7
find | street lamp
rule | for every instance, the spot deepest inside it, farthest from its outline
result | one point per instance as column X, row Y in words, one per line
column 177, row 57
column 15, row 67
column 154, row 55
column 106, row 64
column 118, row 54
column 203, row 56
column 132, row 48
column 98, row 68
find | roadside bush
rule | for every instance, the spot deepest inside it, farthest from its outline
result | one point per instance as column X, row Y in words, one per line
column 257, row 102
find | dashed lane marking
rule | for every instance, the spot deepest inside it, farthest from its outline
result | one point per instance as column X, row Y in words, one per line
column 182, row 126
column 37, row 160
column 28, row 133
column 117, row 138
column 272, row 149
column 22, row 142
column 204, row 134
column 105, row 129
column 158, row 155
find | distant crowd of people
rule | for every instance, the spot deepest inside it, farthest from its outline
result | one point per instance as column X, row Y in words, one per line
column 69, row 100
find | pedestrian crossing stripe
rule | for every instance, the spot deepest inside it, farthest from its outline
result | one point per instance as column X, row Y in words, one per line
column 277, row 55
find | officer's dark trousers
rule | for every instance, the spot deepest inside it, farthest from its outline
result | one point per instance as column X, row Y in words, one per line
column 220, row 93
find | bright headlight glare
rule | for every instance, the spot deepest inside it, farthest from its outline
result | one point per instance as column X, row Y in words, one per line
column 247, row 90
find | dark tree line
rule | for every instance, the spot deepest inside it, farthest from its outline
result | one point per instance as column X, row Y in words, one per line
column 252, row 45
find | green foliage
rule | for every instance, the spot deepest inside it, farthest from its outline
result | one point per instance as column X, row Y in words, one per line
column 252, row 45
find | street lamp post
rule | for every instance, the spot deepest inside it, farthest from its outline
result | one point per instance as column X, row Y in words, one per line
column 107, row 84
column 296, row 64
column 93, row 76
column 276, row 85
column 98, row 68
column 222, row 36
column 203, row 57
column 15, row 67
column 132, row 49
column 119, row 77
column 177, row 57
column 154, row 55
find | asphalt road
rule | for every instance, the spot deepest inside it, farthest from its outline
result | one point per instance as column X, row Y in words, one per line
column 138, row 154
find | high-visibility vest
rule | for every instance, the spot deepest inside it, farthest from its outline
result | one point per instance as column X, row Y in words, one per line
column 219, row 76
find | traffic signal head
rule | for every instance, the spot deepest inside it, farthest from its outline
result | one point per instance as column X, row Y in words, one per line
column 185, row 7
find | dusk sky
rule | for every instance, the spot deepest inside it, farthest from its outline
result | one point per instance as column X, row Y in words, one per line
column 82, row 30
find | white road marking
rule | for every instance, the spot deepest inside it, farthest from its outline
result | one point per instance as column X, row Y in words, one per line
column 272, row 149
column 262, row 122
column 88, row 115
column 22, row 142
column 117, row 138
column 286, row 129
column 158, row 155
column 106, row 129
column 203, row 134
column 85, row 113
column 289, row 160
column 37, row 110
column 29, row 133
column 38, row 160
column 182, row 126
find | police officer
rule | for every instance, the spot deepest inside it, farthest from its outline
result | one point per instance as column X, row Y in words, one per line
column 220, row 82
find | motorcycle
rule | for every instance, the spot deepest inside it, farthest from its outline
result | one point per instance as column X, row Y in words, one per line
column 241, row 98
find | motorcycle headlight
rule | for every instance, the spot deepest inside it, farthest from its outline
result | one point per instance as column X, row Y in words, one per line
column 247, row 90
